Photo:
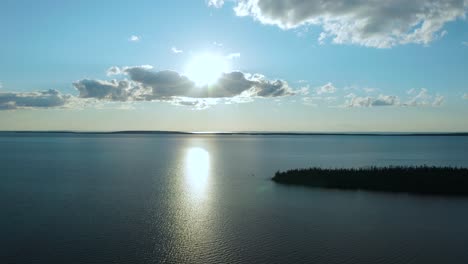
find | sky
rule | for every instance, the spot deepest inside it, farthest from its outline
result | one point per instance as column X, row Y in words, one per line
column 239, row 65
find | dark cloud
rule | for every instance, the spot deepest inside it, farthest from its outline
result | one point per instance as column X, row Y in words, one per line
column 110, row 90
column 43, row 99
column 380, row 24
column 164, row 84
column 147, row 85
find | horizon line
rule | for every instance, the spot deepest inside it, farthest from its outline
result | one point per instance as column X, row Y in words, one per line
column 298, row 133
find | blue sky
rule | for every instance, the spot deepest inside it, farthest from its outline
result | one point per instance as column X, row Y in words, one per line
column 247, row 65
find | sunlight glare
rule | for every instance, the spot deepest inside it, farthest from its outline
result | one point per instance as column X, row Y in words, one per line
column 206, row 69
column 197, row 168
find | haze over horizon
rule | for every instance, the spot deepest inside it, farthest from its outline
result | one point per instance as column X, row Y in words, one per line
column 242, row 65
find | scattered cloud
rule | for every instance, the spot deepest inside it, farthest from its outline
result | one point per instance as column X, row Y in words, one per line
column 217, row 44
column 327, row 88
column 233, row 56
column 215, row 3
column 176, row 50
column 144, row 84
column 438, row 100
column 367, row 90
column 30, row 100
column 134, row 38
column 379, row 24
column 368, row 101
column 418, row 97
column 113, row 71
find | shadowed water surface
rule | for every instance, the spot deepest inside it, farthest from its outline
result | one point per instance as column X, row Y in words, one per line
column 208, row 199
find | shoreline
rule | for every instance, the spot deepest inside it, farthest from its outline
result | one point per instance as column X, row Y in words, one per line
column 450, row 181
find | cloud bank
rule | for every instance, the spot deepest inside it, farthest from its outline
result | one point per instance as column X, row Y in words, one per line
column 143, row 84
column 371, row 23
column 42, row 99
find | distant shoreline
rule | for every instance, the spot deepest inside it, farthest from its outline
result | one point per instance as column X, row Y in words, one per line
column 451, row 181
column 145, row 132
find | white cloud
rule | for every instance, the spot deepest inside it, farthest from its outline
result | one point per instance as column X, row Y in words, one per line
column 113, row 71
column 217, row 44
column 368, row 101
column 215, row 3
column 327, row 88
column 465, row 43
column 465, row 96
column 176, row 50
column 134, row 38
column 418, row 97
column 421, row 97
column 233, row 56
column 380, row 24
column 438, row 100
column 1, row 85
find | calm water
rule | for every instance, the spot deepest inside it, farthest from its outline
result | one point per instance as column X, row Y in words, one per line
column 208, row 199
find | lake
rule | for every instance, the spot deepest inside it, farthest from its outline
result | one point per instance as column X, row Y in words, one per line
column 91, row 198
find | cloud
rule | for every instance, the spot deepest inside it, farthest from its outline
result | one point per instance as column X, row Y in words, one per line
column 143, row 84
column 438, row 100
column 465, row 43
column 215, row 3
column 421, row 97
column 114, row 70
column 380, row 24
column 134, row 38
column 217, row 44
column 465, row 96
column 233, row 56
column 418, row 97
column 1, row 85
column 368, row 101
column 327, row 88
column 110, row 90
column 33, row 100
column 176, row 50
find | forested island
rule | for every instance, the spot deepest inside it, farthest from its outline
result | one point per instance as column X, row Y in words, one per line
column 419, row 180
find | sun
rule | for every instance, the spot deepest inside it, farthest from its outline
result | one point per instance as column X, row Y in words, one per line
column 205, row 69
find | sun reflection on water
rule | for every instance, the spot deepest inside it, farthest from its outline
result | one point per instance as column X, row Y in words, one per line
column 197, row 170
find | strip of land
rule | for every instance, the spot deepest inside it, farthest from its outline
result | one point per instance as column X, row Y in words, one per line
column 243, row 133
column 419, row 180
